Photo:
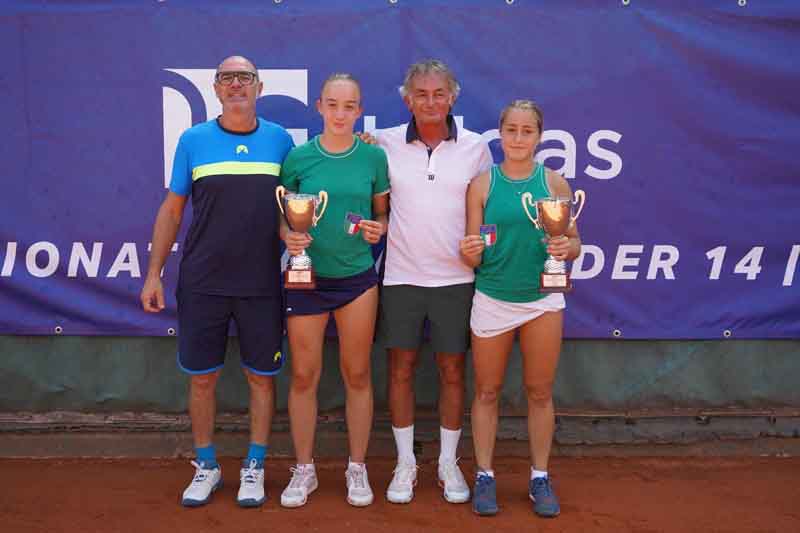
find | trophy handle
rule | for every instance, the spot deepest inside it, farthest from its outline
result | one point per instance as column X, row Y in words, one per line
column 280, row 190
column 579, row 196
column 323, row 199
column 527, row 199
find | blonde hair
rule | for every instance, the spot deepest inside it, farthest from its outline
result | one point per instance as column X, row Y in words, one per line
column 524, row 105
column 340, row 76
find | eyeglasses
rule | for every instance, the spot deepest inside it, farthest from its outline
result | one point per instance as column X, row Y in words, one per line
column 245, row 77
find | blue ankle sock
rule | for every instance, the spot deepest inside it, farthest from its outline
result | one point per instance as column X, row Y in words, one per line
column 207, row 456
column 257, row 452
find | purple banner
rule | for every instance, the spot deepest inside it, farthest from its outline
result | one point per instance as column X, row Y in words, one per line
column 680, row 120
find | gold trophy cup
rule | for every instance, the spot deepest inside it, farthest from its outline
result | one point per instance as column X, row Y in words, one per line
column 300, row 211
column 554, row 217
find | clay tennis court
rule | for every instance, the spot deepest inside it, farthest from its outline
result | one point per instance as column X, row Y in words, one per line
column 597, row 494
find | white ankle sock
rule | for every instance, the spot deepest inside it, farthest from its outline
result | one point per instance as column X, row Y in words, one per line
column 538, row 473
column 489, row 473
column 404, row 439
column 448, row 440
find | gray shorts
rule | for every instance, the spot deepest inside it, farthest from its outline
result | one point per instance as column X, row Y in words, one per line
column 404, row 308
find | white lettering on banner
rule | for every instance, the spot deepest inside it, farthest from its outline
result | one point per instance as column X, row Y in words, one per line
column 613, row 158
column 79, row 257
column 717, row 256
column 369, row 123
column 43, row 258
column 791, row 265
column 597, row 266
column 177, row 118
column 127, row 261
column 622, row 260
column 178, row 113
column 750, row 264
column 491, row 135
column 50, row 251
column 568, row 153
column 8, row 261
column 664, row 258
column 173, row 250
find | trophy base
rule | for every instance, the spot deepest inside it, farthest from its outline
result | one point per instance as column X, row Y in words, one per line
column 550, row 283
column 299, row 278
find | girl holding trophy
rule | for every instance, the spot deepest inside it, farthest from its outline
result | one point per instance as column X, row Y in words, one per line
column 509, row 254
column 354, row 176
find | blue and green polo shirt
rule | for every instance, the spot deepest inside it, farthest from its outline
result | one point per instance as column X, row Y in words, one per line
column 232, row 246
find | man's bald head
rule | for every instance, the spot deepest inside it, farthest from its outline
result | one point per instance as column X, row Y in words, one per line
column 235, row 63
column 237, row 87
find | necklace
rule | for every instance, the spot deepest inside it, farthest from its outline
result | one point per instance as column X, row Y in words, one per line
column 518, row 186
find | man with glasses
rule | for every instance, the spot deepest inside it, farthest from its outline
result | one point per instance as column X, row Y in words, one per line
column 230, row 268
column 432, row 161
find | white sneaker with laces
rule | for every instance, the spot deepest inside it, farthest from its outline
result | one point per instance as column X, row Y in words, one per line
column 203, row 485
column 359, row 493
column 251, row 486
column 303, row 482
column 401, row 489
column 452, row 480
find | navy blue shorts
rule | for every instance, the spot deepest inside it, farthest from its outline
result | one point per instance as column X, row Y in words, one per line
column 330, row 294
column 203, row 322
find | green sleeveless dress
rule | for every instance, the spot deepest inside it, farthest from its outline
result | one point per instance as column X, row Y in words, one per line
column 511, row 267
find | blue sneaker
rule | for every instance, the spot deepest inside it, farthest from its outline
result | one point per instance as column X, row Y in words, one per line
column 484, row 496
column 544, row 499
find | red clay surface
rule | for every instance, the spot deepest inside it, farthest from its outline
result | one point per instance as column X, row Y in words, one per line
column 616, row 494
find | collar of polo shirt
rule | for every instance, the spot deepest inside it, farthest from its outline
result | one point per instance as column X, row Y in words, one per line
column 412, row 134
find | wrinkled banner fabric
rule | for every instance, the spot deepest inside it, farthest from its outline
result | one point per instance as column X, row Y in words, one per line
column 679, row 119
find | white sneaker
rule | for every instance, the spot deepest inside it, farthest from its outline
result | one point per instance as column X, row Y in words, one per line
column 203, row 485
column 303, row 483
column 251, row 487
column 401, row 489
column 359, row 493
column 452, row 480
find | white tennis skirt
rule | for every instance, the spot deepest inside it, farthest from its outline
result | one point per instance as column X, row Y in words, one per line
column 491, row 317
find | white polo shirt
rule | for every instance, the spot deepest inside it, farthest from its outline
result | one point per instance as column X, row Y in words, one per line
column 428, row 204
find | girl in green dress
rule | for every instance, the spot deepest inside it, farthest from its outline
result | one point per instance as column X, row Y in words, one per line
column 508, row 300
